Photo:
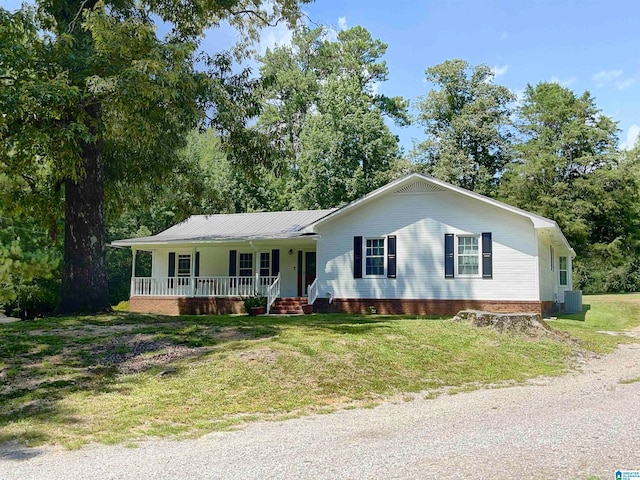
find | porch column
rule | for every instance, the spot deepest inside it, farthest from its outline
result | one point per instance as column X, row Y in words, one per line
column 193, row 271
column 256, row 269
column 133, row 271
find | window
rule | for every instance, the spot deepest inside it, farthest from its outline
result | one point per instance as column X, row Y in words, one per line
column 468, row 255
column 562, row 267
column 184, row 265
column 374, row 256
column 552, row 253
column 264, row 264
column 246, row 265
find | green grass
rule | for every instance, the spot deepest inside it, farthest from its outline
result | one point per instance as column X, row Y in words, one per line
column 628, row 381
column 122, row 377
column 612, row 313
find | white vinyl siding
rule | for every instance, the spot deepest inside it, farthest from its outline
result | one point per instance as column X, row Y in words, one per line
column 551, row 288
column 420, row 221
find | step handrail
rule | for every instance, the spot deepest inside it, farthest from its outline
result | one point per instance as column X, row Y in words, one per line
column 273, row 292
column 312, row 292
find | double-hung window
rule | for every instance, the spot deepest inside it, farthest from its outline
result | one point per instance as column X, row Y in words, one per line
column 562, row 268
column 468, row 255
column 374, row 256
column 265, row 268
column 184, row 265
column 183, row 268
column 245, row 267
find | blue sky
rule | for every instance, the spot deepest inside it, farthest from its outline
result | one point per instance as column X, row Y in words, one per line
column 589, row 45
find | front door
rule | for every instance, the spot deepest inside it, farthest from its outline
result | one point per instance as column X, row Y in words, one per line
column 306, row 271
column 309, row 269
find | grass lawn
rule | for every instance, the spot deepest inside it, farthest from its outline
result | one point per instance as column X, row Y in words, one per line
column 122, row 377
column 611, row 313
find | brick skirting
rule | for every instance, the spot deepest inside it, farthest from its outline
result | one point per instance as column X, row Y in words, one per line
column 424, row 307
column 186, row 306
column 226, row 305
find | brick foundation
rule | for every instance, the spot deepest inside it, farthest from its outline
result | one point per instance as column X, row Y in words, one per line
column 227, row 305
column 424, row 307
column 186, row 306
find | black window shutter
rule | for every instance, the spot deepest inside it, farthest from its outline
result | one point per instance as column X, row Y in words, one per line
column 357, row 257
column 196, row 267
column 487, row 254
column 232, row 262
column 449, row 260
column 391, row 256
column 275, row 262
column 172, row 264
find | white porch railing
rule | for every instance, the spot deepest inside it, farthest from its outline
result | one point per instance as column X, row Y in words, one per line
column 273, row 292
column 312, row 292
column 202, row 286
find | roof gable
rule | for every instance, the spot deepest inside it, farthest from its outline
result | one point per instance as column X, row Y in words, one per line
column 417, row 183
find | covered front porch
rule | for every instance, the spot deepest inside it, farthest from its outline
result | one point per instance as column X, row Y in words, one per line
column 226, row 271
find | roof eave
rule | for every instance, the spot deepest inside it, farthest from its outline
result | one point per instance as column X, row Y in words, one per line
column 211, row 241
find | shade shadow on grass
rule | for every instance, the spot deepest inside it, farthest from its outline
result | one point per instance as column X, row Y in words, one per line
column 578, row 316
column 44, row 361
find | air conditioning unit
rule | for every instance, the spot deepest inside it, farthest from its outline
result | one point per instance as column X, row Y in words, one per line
column 573, row 301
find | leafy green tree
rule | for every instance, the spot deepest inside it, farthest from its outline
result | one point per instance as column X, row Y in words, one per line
column 467, row 126
column 29, row 267
column 348, row 150
column 322, row 105
column 568, row 169
column 92, row 98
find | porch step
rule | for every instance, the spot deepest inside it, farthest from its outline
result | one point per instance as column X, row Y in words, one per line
column 288, row 305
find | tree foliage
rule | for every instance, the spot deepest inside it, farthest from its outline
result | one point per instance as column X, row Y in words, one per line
column 568, row 169
column 91, row 97
column 324, row 112
column 466, row 120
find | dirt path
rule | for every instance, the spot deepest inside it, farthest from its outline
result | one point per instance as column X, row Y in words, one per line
column 573, row 427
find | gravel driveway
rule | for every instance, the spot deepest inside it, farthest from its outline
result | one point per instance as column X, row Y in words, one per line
column 573, row 427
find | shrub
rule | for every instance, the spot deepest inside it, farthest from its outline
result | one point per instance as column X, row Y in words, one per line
column 254, row 301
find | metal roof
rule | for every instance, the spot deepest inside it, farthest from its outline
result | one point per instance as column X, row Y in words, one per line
column 235, row 226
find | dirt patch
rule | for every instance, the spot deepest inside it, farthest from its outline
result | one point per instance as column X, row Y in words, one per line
column 263, row 355
column 139, row 353
column 230, row 334
column 87, row 331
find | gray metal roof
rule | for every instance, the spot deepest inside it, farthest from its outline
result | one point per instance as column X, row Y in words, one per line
column 235, row 226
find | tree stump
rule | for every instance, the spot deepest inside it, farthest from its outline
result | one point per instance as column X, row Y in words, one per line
column 529, row 323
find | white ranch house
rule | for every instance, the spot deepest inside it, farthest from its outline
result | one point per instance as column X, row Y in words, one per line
column 417, row 245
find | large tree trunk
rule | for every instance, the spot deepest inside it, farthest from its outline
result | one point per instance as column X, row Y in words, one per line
column 84, row 275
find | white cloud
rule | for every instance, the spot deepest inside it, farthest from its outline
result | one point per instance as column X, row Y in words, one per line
column 603, row 77
column 632, row 137
column 613, row 77
column 567, row 82
column 274, row 36
column 499, row 71
column 332, row 33
column 625, row 83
